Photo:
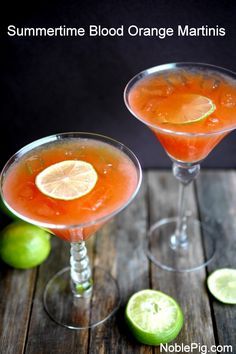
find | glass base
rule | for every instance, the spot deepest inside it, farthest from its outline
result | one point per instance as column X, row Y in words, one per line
column 75, row 312
column 192, row 255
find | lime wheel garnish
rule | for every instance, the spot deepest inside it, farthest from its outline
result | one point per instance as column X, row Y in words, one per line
column 185, row 109
column 67, row 180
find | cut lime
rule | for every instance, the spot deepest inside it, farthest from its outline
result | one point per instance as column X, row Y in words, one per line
column 67, row 180
column 154, row 317
column 185, row 109
column 222, row 285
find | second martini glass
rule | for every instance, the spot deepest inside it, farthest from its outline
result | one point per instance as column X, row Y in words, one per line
column 71, row 294
column 154, row 96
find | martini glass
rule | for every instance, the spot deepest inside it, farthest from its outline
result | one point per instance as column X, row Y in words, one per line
column 71, row 294
column 172, row 242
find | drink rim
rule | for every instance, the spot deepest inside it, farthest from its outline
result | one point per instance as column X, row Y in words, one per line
column 163, row 67
column 59, row 136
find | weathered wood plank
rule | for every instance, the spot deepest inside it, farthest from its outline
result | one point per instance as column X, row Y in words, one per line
column 16, row 292
column 187, row 288
column 119, row 249
column 44, row 335
column 217, row 199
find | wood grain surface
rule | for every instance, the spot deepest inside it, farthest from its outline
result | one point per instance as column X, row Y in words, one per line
column 119, row 247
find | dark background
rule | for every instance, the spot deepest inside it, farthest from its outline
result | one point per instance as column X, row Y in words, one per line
column 76, row 84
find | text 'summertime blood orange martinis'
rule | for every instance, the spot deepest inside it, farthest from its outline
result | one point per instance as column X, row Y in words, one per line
column 159, row 98
column 116, row 182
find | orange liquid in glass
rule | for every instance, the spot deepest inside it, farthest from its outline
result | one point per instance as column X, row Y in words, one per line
column 117, row 181
column 150, row 96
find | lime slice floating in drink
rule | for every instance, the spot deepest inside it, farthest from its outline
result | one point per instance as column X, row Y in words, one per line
column 154, row 317
column 67, row 180
column 222, row 285
column 185, row 109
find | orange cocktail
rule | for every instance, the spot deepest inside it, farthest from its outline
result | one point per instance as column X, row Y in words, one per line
column 159, row 96
column 72, row 184
column 117, row 180
column 190, row 107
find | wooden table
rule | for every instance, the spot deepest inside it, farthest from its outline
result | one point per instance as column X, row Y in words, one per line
column 119, row 247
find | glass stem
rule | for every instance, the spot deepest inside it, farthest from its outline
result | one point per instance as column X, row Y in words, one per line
column 185, row 173
column 81, row 281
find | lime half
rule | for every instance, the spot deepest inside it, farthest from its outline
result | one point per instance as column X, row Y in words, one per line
column 154, row 317
column 222, row 285
column 185, row 109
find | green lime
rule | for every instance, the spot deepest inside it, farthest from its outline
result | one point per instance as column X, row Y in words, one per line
column 153, row 317
column 23, row 245
column 185, row 109
column 222, row 285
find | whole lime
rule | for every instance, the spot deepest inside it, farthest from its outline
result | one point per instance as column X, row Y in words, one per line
column 23, row 245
